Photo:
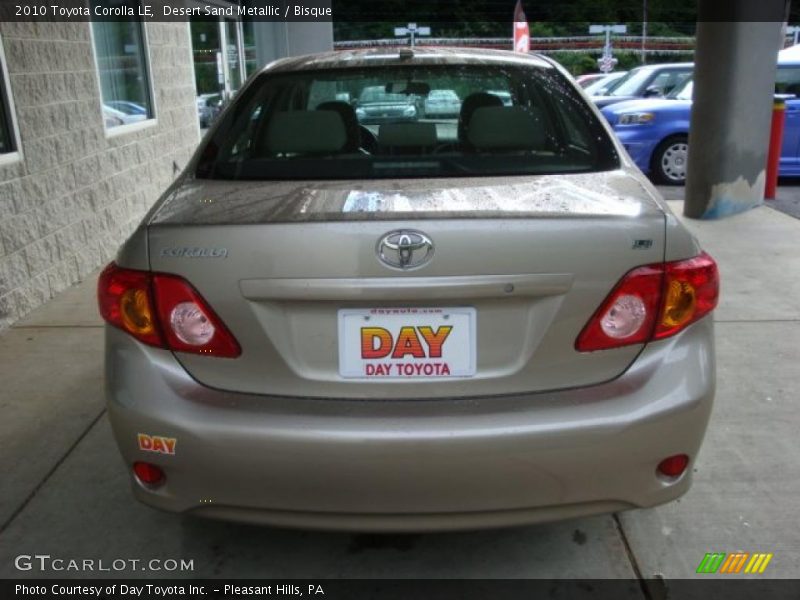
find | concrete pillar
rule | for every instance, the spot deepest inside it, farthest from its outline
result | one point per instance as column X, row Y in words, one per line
column 734, row 82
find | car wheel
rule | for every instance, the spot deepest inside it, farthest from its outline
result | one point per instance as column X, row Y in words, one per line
column 670, row 160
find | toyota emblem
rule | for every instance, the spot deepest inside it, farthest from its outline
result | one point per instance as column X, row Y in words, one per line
column 405, row 249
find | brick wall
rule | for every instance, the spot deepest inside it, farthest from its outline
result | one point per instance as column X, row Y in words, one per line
column 76, row 193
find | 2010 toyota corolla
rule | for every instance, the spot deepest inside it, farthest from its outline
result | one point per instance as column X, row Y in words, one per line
column 428, row 324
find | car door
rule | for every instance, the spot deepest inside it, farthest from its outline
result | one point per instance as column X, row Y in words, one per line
column 788, row 82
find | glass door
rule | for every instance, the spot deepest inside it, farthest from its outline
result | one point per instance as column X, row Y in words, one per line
column 234, row 56
column 219, row 65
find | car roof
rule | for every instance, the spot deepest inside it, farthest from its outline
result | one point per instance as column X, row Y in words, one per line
column 790, row 55
column 399, row 56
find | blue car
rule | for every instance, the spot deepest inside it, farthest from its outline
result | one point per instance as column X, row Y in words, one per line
column 648, row 81
column 655, row 132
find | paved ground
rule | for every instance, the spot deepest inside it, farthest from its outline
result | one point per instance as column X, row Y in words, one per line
column 63, row 489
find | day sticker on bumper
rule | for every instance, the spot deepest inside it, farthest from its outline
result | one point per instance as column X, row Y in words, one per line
column 157, row 443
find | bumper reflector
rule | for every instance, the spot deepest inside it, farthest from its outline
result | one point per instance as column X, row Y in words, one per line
column 148, row 474
column 673, row 466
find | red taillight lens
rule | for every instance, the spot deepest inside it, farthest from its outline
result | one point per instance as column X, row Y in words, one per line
column 189, row 323
column 653, row 302
column 164, row 311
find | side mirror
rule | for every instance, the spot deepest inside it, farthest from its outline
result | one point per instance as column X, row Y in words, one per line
column 653, row 91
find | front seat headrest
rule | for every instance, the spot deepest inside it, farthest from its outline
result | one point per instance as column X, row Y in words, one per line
column 305, row 132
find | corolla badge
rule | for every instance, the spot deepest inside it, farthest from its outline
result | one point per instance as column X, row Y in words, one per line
column 405, row 249
column 194, row 252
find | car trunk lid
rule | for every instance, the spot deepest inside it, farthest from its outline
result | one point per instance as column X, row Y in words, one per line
column 529, row 258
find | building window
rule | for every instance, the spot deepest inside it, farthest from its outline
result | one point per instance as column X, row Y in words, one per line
column 8, row 140
column 122, row 68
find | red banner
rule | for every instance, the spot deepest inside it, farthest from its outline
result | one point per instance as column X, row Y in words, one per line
column 522, row 39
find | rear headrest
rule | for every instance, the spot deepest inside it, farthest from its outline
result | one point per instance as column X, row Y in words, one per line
column 407, row 134
column 472, row 103
column 305, row 132
column 350, row 120
column 506, row 128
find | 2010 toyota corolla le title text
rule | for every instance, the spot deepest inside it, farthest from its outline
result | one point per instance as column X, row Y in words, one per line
column 417, row 323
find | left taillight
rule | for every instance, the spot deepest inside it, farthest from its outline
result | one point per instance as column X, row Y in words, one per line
column 125, row 298
column 163, row 310
column 653, row 302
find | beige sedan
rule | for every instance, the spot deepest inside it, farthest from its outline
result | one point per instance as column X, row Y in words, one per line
column 484, row 319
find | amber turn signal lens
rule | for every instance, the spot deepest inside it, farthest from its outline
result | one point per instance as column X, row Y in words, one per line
column 135, row 312
column 679, row 304
column 691, row 291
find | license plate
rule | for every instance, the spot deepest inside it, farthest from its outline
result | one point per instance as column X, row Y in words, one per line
column 407, row 343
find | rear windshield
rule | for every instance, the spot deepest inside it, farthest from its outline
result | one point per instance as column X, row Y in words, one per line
column 502, row 120
column 379, row 94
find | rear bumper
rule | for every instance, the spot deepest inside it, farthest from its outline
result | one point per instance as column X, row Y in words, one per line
column 414, row 465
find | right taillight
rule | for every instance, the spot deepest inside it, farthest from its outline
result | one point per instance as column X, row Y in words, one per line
column 163, row 310
column 653, row 302
column 691, row 291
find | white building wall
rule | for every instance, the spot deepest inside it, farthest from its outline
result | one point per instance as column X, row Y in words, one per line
column 76, row 192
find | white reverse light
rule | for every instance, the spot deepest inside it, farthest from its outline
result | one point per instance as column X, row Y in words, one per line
column 190, row 324
column 624, row 318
